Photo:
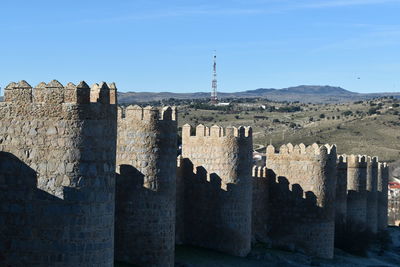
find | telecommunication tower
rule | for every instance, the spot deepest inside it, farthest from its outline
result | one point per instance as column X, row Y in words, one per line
column 214, row 98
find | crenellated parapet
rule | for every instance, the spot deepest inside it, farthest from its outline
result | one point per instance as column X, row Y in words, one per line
column 214, row 131
column 56, row 93
column 357, row 161
column 309, row 206
column 302, row 152
column 148, row 113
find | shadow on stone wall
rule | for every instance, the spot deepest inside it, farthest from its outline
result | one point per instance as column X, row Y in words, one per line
column 296, row 222
column 213, row 216
column 144, row 221
column 33, row 223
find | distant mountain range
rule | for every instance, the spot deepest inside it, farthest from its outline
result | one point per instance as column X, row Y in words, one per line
column 302, row 93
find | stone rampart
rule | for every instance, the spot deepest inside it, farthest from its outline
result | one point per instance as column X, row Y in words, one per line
column 217, row 193
column 341, row 191
column 302, row 197
column 260, row 205
column 372, row 194
column 57, row 169
column 146, row 185
column 357, row 190
column 383, row 181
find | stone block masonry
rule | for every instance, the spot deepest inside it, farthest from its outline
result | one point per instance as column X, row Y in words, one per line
column 372, row 194
column 357, row 190
column 260, row 205
column 57, row 169
column 302, row 197
column 146, row 185
column 383, row 180
column 341, row 191
column 217, row 193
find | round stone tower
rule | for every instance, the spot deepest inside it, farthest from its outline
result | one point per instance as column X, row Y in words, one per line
column 217, row 188
column 383, row 180
column 372, row 194
column 146, row 185
column 57, row 169
column 341, row 191
column 302, row 197
column 356, row 190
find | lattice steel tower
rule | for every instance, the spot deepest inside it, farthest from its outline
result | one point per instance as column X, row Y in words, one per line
column 214, row 98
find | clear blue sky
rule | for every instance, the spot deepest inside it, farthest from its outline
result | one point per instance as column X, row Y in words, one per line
column 155, row 45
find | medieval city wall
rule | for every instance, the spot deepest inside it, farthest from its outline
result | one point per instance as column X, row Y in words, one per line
column 146, row 186
column 217, row 188
column 302, row 197
column 372, row 194
column 383, row 180
column 341, row 191
column 57, row 168
column 260, row 207
column 356, row 190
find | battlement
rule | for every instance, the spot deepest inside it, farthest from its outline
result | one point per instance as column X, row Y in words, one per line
column 259, row 172
column 372, row 161
column 302, row 150
column 149, row 113
column 216, row 131
column 357, row 161
column 56, row 93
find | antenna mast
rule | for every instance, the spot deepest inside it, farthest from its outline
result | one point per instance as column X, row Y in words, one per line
column 214, row 98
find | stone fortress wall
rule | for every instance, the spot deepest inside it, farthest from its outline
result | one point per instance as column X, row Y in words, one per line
column 216, row 186
column 260, row 205
column 302, row 197
column 372, row 194
column 145, row 187
column 341, row 192
column 383, row 181
column 357, row 190
column 59, row 147
column 57, row 168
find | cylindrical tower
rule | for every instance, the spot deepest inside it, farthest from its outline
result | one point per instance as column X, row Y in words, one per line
column 57, row 168
column 372, row 194
column 302, row 197
column 341, row 192
column 146, row 185
column 383, row 180
column 217, row 189
column 260, row 205
column 356, row 190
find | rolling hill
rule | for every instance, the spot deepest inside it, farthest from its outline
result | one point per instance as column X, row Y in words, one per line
column 302, row 93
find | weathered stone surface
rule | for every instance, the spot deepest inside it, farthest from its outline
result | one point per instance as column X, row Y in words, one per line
column 357, row 190
column 53, row 210
column 341, row 192
column 372, row 194
column 215, row 189
column 146, row 184
column 383, row 181
column 302, row 183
